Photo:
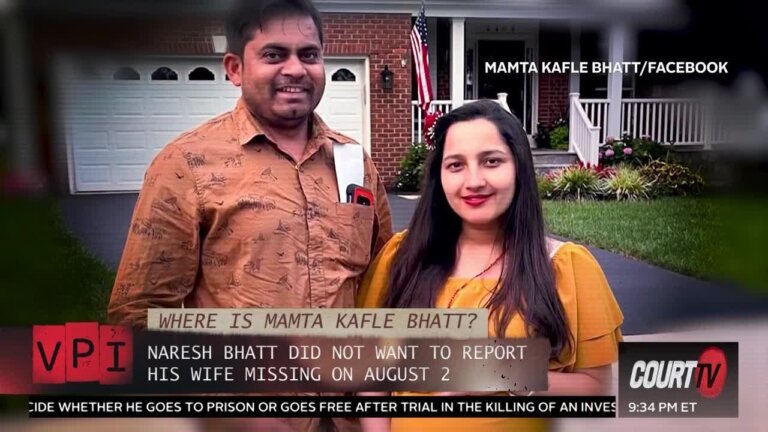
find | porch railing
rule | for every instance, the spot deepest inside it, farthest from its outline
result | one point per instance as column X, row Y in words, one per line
column 668, row 121
column 583, row 137
column 673, row 121
column 597, row 112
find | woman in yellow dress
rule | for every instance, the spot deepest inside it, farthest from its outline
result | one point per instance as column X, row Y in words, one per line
column 477, row 239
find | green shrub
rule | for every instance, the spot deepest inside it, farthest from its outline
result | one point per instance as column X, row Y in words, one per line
column 577, row 182
column 411, row 168
column 626, row 183
column 558, row 137
column 646, row 150
column 546, row 186
column 672, row 179
column 633, row 151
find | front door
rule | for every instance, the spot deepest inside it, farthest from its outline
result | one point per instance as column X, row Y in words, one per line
column 490, row 83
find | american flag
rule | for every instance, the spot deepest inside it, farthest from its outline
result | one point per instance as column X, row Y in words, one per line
column 421, row 60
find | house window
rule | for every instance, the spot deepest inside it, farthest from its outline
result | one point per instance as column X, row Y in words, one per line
column 164, row 74
column 201, row 74
column 126, row 73
column 343, row 75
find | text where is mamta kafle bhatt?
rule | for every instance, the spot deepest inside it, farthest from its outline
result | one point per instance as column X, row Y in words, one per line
column 463, row 323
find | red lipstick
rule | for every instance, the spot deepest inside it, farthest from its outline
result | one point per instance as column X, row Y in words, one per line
column 475, row 200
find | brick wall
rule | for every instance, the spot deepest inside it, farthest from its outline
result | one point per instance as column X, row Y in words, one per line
column 553, row 97
column 385, row 40
column 554, row 46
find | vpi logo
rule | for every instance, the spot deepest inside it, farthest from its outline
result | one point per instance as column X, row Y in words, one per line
column 707, row 374
column 82, row 352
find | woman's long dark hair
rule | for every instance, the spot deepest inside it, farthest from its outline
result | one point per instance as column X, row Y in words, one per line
column 427, row 255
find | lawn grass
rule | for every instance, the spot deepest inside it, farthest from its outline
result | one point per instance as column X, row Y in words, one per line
column 47, row 277
column 711, row 238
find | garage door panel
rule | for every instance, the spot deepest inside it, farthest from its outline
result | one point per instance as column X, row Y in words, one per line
column 95, row 108
column 92, row 140
column 130, row 157
column 128, row 107
column 94, row 175
column 94, row 157
column 158, row 139
column 129, row 140
column 129, row 173
column 166, row 107
column 204, row 106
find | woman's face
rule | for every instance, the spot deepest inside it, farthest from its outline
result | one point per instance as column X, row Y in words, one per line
column 477, row 172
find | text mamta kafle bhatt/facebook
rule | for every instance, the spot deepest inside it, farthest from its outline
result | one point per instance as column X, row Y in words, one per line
column 628, row 67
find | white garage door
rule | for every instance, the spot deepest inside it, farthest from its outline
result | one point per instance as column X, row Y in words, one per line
column 118, row 115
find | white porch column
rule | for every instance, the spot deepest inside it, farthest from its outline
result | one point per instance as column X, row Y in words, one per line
column 617, row 35
column 457, row 61
column 432, row 46
column 575, row 83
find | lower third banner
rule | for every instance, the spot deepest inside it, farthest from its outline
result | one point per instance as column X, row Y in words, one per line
column 322, row 406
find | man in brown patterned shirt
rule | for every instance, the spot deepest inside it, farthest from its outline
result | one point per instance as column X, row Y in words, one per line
column 244, row 210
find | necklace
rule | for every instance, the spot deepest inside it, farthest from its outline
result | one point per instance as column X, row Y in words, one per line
column 465, row 284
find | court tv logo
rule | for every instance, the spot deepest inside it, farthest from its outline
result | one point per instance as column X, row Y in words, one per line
column 685, row 379
column 707, row 374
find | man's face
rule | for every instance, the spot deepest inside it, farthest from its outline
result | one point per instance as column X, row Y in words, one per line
column 281, row 72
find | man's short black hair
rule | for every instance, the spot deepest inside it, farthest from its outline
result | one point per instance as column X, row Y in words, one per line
column 245, row 16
